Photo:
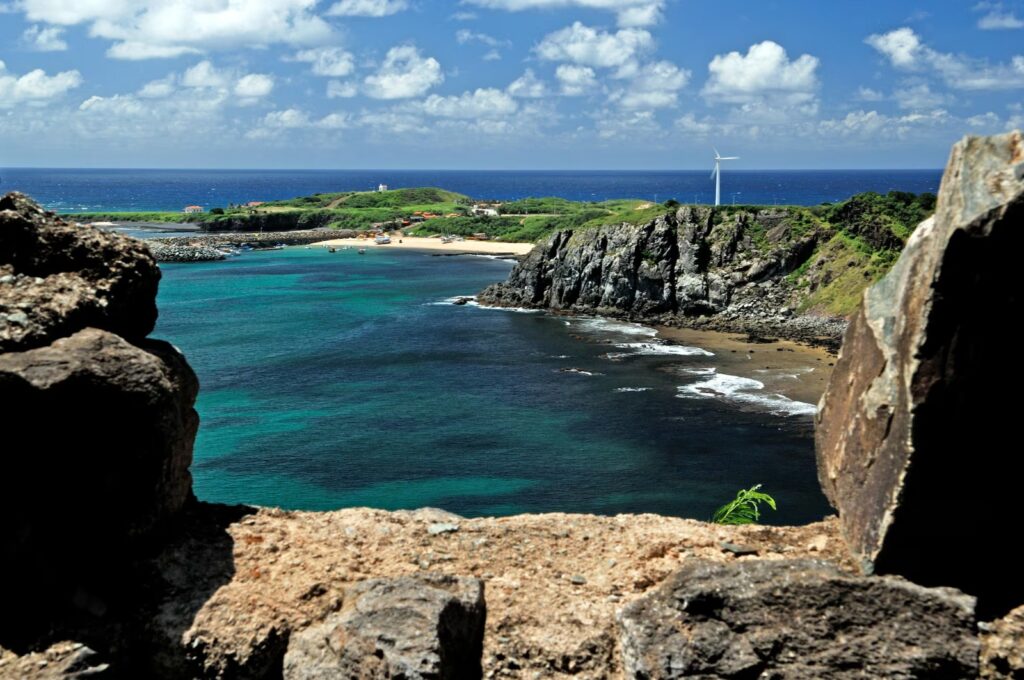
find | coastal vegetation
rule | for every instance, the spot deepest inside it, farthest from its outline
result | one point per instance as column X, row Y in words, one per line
column 851, row 244
column 745, row 508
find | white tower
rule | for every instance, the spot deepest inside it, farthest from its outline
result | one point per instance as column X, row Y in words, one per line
column 716, row 174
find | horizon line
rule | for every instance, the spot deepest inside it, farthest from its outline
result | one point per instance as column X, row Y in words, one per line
column 537, row 170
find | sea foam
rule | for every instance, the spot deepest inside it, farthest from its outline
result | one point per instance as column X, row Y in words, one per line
column 746, row 391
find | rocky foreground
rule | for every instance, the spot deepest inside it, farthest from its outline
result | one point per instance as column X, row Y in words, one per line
column 109, row 567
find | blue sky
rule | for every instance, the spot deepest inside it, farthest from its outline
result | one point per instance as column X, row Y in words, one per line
column 617, row 84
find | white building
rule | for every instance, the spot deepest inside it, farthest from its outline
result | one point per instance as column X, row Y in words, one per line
column 193, row 209
column 484, row 211
column 381, row 188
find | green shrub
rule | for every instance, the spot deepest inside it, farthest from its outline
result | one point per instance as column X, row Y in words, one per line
column 744, row 509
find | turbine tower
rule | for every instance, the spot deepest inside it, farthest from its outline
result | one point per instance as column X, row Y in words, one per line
column 716, row 174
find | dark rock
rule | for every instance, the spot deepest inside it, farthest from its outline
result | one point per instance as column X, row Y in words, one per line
column 913, row 430
column 58, row 278
column 679, row 269
column 103, row 459
column 796, row 619
column 415, row 627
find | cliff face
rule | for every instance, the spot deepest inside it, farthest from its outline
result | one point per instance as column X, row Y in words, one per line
column 784, row 271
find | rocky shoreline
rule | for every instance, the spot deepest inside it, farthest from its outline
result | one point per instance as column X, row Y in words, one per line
column 218, row 246
column 688, row 269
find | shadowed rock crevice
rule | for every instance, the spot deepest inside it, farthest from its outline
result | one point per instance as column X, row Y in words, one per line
column 916, row 431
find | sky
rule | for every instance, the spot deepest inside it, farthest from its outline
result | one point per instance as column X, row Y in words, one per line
column 503, row 84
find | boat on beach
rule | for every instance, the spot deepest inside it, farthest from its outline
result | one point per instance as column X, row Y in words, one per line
column 382, row 240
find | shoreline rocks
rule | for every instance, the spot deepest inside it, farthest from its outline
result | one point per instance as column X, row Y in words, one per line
column 684, row 269
column 212, row 246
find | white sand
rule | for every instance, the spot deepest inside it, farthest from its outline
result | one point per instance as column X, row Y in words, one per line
column 435, row 244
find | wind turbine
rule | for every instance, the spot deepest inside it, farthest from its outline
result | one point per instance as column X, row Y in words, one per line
column 716, row 174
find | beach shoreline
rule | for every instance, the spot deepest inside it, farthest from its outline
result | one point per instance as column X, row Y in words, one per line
column 794, row 370
column 434, row 245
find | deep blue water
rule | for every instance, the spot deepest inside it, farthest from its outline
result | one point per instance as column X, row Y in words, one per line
column 70, row 190
column 334, row 380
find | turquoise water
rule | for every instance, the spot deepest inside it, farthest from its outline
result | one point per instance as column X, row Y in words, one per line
column 337, row 380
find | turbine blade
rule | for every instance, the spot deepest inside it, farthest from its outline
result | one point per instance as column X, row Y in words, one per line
column 713, row 172
column 717, row 155
column 729, row 158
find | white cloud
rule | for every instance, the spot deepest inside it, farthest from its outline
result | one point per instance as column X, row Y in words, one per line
column 289, row 118
column 904, row 50
column 481, row 103
column 627, row 125
column 764, row 74
column 205, row 74
column 215, row 83
column 588, row 46
column 917, row 97
column 464, row 36
column 332, row 62
column 367, row 8
column 35, row 86
column 902, row 46
column 152, row 29
column 463, row 16
column 158, row 89
column 997, row 20
column 46, row 39
column 576, row 80
column 404, row 73
column 653, row 86
column 630, row 13
column 254, row 85
column 341, row 89
column 492, row 55
column 866, row 94
column 688, row 124
column 527, row 86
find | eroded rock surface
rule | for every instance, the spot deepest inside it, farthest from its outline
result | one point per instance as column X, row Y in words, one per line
column 98, row 420
column 232, row 598
column 796, row 619
column 57, row 278
column 1002, row 647
column 914, row 429
column 422, row 627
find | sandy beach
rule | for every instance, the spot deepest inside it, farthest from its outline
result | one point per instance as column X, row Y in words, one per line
column 435, row 245
column 795, row 371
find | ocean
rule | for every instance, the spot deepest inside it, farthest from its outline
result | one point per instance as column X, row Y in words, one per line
column 71, row 190
column 339, row 380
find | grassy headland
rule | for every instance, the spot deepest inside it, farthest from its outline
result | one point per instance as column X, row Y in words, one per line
column 855, row 241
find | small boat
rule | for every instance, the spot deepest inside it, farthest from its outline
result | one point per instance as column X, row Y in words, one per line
column 362, row 251
column 382, row 240
column 332, row 249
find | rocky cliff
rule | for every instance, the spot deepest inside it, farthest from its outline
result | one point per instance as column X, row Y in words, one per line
column 110, row 567
column 789, row 271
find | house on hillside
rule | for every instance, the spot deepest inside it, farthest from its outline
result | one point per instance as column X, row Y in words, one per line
column 381, row 188
column 193, row 209
column 253, row 204
column 485, row 211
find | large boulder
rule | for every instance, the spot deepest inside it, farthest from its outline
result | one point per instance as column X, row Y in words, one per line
column 422, row 627
column 915, row 431
column 57, row 278
column 102, row 458
column 796, row 619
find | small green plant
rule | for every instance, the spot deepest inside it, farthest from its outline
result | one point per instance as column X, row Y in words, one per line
column 745, row 508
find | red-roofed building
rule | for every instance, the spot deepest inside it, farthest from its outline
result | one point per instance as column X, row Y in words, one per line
column 193, row 209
